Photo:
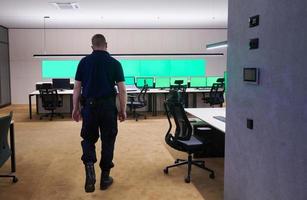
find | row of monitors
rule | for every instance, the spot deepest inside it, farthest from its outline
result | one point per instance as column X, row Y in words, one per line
column 166, row 82
column 57, row 83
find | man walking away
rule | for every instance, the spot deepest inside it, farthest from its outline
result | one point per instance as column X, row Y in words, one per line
column 97, row 74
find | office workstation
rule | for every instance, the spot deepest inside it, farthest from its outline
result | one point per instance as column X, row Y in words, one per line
column 160, row 75
column 215, row 100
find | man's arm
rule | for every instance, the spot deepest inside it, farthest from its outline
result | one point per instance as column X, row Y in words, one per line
column 122, row 94
column 76, row 99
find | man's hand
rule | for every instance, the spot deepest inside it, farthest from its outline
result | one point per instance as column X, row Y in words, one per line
column 122, row 101
column 76, row 116
column 76, row 99
column 122, row 116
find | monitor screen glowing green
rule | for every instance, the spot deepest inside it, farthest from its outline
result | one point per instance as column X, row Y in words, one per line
column 59, row 68
column 226, row 80
column 162, row 82
column 140, row 67
column 141, row 80
column 164, row 67
column 129, row 80
column 198, row 82
column 211, row 80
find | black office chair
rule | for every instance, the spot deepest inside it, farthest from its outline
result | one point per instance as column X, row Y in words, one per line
column 216, row 94
column 182, row 139
column 220, row 80
column 5, row 151
column 136, row 102
column 178, row 91
column 50, row 102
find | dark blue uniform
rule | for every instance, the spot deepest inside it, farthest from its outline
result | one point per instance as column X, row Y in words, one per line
column 99, row 73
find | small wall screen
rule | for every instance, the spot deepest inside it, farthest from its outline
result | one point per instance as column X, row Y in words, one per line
column 250, row 75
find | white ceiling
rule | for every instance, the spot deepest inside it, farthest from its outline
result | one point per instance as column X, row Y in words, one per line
column 116, row 14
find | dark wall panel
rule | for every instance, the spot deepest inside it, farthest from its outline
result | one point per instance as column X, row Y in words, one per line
column 268, row 162
column 3, row 35
column 5, row 91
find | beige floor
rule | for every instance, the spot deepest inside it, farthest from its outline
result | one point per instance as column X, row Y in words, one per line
column 49, row 166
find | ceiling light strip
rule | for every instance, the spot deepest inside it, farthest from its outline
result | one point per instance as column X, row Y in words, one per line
column 217, row 45
column 140, row 54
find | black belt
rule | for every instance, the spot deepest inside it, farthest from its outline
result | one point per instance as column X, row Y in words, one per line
column 96, row 101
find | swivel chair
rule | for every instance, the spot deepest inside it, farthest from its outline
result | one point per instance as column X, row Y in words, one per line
column 50, row 102
column 182, row 139
column 5, row 151
column 139, row 101
column 216, row 94
column 179, row 91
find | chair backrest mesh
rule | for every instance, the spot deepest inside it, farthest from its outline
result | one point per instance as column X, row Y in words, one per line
column 142, row 94
column 5, row 151
column 50, row 98
column 183, row 129
column 217, row 93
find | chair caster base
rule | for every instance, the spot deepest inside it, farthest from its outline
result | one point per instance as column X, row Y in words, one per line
column 187, row 180
column 15, row 180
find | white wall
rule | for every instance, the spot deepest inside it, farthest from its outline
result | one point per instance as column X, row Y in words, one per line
column 26, row 70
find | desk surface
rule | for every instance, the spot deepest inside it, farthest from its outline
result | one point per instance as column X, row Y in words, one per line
column 207, row 115
column 36, row 92
column 131, row 91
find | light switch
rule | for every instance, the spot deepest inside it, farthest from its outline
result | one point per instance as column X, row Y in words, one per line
column 254, row 43
column 250, row 123
column 254, row 21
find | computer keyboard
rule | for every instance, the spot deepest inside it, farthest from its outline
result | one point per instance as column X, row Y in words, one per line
column 221, row 118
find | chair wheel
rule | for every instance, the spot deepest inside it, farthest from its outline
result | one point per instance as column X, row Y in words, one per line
column 187, row 180
column 165, row 171
column 212, row 176
column 15, row 180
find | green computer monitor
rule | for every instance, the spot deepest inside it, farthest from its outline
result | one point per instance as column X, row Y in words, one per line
column 162, row 82
column 226, row 80
column 198, row 82
column 129, row 80
column 211, row 80
column 140, row 81
column 185, row 80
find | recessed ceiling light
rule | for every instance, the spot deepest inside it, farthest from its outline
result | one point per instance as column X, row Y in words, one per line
column 66, row 6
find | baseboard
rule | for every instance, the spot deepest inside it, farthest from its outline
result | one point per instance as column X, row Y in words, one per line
column 5, row 105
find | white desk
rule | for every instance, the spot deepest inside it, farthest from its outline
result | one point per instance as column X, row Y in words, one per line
column 207, row 115
column 63, row 92
column 153, row 92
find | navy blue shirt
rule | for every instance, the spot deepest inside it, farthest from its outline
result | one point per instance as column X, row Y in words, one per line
column 98, row 73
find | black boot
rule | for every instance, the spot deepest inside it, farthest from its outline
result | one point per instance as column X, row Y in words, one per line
column 106, row 180
column 90, row 179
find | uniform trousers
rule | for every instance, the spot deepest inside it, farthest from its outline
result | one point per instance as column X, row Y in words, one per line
column 99, row 119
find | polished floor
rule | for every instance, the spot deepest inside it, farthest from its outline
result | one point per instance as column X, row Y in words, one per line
column 49, row 167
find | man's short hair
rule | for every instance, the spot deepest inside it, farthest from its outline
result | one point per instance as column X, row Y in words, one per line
column 98, row 40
